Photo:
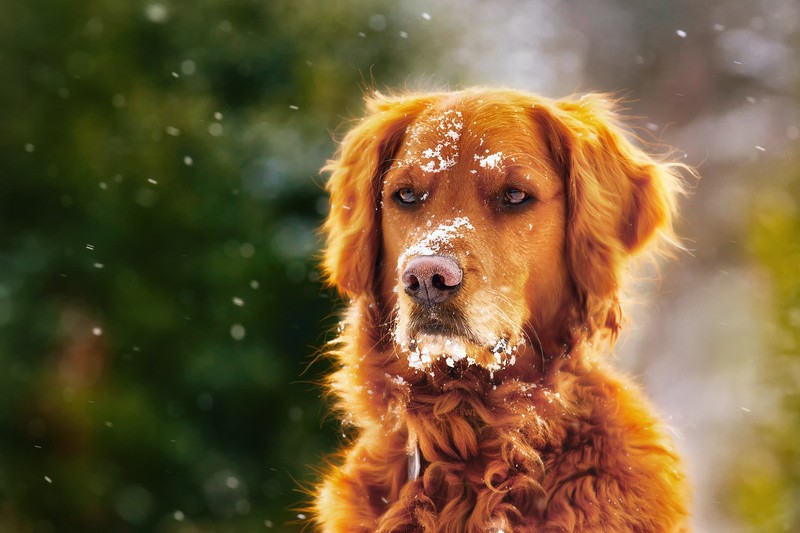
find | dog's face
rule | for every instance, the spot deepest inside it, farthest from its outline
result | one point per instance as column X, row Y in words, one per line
column 489, row 225
column 473, row 243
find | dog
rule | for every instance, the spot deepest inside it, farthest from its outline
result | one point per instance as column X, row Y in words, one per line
column 480, row 238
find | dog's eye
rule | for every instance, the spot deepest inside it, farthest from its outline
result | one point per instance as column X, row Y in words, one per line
column 515, row 197
column 406, row 196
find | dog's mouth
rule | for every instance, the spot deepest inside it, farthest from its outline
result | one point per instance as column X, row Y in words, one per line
column 443, row 320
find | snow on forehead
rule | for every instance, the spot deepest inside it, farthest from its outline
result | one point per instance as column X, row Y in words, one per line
column 490, row 161
column 442, row 132
column 445, row 124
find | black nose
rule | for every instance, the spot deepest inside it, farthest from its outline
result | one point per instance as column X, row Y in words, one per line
column 432, row 279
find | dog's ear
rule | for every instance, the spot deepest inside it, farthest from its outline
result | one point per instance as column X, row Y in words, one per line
column 352, row 228
column 619, row 199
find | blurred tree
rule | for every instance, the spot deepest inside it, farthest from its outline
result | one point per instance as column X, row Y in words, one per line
column 766, row 491
column 158, row 295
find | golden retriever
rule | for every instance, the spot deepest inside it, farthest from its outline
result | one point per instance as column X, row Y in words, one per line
column 480, row 237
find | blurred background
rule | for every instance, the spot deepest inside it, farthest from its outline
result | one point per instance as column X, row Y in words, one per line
column 159, row 192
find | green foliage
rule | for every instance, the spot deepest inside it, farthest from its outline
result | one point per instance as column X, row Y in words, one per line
column 767, row 488
column 159, row 301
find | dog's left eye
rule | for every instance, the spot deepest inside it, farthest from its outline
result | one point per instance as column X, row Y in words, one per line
column 515, row 197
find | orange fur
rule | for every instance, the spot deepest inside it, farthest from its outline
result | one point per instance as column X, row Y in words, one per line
column 544, row 436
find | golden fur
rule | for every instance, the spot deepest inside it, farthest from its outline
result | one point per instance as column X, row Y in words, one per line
column 532, row 430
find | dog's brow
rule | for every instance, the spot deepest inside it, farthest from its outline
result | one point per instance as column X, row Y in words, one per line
column 519, row 172
column 399, row 171
column 537, row 175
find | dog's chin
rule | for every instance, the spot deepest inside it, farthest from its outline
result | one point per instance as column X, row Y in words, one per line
column 429, row 348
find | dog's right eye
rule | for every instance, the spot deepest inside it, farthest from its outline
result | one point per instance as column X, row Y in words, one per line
column 514, row 197
column 406, row 196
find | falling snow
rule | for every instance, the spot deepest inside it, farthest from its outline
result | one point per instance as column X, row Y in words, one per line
column 157, row 13
column 237, row 332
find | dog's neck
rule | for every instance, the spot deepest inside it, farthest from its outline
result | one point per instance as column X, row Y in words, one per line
column 467, row 424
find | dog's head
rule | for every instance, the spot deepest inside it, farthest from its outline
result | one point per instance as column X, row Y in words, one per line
column 487, row 224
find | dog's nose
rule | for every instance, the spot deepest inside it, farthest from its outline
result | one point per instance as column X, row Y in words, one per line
column 432, row 279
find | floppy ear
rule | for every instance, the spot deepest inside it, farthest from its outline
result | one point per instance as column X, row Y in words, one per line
column 352, row 228
column 619, row 199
